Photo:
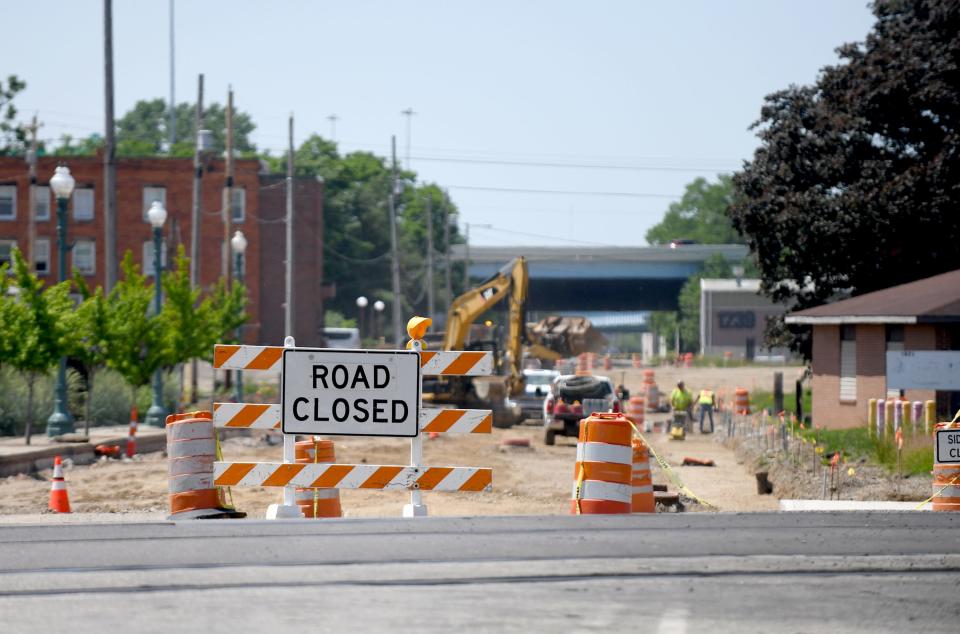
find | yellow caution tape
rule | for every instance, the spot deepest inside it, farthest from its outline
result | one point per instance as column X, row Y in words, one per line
column 219, row 452
column 936, row 493
column 579, row 486
column 677, row 482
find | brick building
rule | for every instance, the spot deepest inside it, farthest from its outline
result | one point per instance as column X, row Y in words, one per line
column 851, row 338
column 140, row 181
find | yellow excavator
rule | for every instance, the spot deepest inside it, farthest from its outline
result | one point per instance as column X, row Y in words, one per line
column 487, row 392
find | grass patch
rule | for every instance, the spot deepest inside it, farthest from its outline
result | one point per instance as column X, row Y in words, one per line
column 763, row 400
column 858, row 443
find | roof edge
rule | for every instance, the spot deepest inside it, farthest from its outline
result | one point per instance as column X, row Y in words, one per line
column 848, row 319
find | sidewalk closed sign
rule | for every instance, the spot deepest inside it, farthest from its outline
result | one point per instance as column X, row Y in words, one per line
column 350, row 392
column 948, row 446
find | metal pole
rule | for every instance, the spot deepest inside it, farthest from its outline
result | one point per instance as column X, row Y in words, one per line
column 395, row 253
column 109, row 156
column 429, row 212
column 156, row 415
column 228, row 194
column 60, row 421
column 172, row 132
column 31, row 216
column 446, row 252
column 409, row 114
column 288, row 282
column 239, row 278
column 195, row 221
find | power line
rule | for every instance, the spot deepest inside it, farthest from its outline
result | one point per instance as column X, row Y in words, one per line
column 563, row 191
column 538, row 235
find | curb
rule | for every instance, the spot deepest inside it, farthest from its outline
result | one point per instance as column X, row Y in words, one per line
column 33, row 460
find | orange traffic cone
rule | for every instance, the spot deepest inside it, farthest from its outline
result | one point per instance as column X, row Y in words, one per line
column 59, row 502
column 132, row 434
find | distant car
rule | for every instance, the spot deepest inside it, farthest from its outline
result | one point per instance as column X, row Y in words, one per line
column 679, row 242
column 342, row 337
column 572, row 398
column 537, row 386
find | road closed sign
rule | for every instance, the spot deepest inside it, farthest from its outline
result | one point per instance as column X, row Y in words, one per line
column 948, row 446
column 350, row 392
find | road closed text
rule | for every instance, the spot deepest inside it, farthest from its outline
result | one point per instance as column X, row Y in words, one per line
column 350, row 393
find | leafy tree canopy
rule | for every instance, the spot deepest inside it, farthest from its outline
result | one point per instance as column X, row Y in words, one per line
column 13, row 135
column 144, row 130
column 855, row 184
column 701, row 215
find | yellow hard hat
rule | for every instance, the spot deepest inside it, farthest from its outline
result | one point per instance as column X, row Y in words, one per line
column 417, row 327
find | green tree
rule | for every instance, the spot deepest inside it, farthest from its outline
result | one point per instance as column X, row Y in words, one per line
column 144, row 130
column 854, row 185
column 227, row 310
column 138, row 344
column 701, row 215
column 92, row 344
column 84, row 146
column 13, row 135
column 42, row 327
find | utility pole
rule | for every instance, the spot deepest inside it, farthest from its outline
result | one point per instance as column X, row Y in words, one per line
column 333, row 126
column 394, row 250
column 288, row 282
column 228, row 194
column 31, row 215
column 172, row 132
column 195, row 221
column 446, row 251
column 409, row 114
column 109, row 155
column 429, row 212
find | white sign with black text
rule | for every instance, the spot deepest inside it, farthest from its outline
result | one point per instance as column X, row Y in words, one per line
column 948, row 446
column 350, row 392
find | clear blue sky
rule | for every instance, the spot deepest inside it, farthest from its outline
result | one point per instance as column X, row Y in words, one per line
column 618, row 85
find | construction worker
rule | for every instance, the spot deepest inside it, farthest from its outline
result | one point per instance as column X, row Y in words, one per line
column 707, row 402
column 681, row 400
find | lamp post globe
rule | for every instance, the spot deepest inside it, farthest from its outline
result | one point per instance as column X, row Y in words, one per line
column 157, row 216
column 239, row 245
column 379, row 306
column 362, row 303
column 62, row 183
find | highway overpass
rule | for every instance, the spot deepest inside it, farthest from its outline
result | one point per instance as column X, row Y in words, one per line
column 600, row 278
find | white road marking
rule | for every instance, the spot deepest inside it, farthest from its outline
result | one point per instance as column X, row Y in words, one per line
column 673, row 621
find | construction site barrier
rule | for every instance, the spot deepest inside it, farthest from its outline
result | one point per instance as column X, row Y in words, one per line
column 635, row 410
column 191, row 452
column 316, row 502
column 59, row 501
column 741, row 401
column 267, row 416
column 897, row 415
column 603, row 471
column 291, row 474
column 918, row 416
column 642, row 497
column 929, row 415
column 946, row 477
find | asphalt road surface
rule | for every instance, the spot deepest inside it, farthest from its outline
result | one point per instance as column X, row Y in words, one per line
column 766, row 572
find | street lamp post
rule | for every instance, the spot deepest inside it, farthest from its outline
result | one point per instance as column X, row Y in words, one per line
column 361, row 308
column 157, row 215
column 378, row 307
column 60, row 421
column 239, row 244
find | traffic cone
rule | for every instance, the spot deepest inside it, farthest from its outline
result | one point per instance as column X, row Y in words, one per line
column 132, row 434
column 59, row 502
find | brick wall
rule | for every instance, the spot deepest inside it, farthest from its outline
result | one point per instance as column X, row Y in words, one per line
column 176, row 175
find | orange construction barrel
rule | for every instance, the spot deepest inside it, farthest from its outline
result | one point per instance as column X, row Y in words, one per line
column 317, row 503
column 741, row 401
column 946, row 478
column 642, row 499
column 604, row 468
column 192, row 450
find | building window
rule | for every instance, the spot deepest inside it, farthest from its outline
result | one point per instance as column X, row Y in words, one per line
column 848, row 363
column 41, row 202
column 41, row 256
column 83, row 203
column 238, row 205
column 8, row 202
column 151, row 194
column 6, row 251
column 895, row 337
column 148, row 263
column 84, row 257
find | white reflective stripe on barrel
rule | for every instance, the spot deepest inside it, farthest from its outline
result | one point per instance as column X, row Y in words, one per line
column 58, row 485
column 947, row 492
column 600, row 490
column 643, row 489
column 187, row 448
column 190, row 482
column 190, row 431
column 192, row 464
column 602, row 452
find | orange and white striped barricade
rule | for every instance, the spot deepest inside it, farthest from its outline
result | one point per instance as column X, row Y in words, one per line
column 742, row 401
column 191, row 452
column 642, row 498
column 290, row 474
column 603, row 471
column 635, row 411
column 317, row 503
column 946, row 466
